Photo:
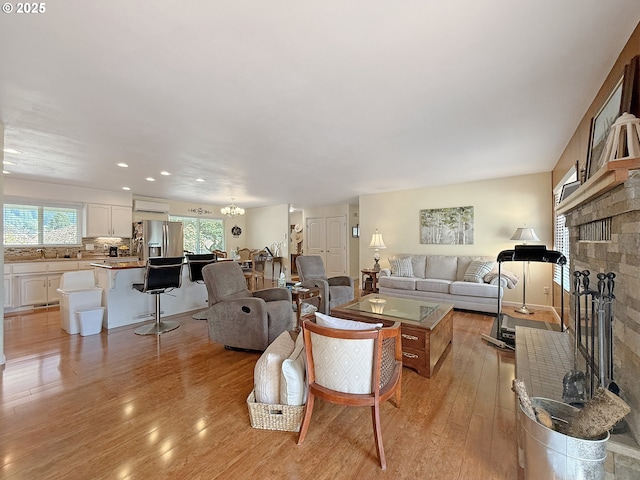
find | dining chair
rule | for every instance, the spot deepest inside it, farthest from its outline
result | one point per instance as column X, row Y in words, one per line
column 353, row 368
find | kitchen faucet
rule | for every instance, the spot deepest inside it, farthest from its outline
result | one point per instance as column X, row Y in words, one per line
column 42, row 253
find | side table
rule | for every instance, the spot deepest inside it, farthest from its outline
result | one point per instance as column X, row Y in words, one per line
column 369, row 280
column 298, row 297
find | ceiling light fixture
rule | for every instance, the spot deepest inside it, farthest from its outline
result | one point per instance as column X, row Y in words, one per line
column 123, row 165
column 11, row 150
column 199, row 179
column 6, row 162
column 165, row 173
column 232, row 210
column 4, row 172
column 126, row 188
column 150, row 179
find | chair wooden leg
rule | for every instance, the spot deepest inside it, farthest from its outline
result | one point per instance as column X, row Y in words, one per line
column 308, row 410
column 377, row 433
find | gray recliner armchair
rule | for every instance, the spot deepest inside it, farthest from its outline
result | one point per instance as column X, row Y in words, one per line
column 334, row 291
column 241, row 319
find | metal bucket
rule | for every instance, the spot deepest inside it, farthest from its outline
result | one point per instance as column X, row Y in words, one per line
column 551, row 455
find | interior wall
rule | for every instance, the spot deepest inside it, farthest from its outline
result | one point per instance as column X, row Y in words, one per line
column 266, row 225
column 2, row 356
column 64, row 193
column 578, row 145
column 500, row 206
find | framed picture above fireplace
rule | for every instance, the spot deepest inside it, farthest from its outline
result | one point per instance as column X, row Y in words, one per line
column 624, row 98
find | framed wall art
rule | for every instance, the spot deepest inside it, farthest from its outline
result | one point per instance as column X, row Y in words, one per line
column 624, row 98
column 447, row 226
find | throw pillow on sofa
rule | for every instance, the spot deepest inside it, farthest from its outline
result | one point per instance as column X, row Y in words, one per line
column 477, row 270
column 401, row 267
column 266, row 374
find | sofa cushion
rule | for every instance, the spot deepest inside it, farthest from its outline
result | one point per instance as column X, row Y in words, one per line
column 293, row 388
column 441, row 266
column 476, row 271
column 433, row 285
column 402, row 283
column 473, row 289
column 418, row 263
column 266, row 374
column 465, row 260
column 401, row 267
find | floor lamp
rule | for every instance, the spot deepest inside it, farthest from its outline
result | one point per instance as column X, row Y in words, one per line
column 524, row 235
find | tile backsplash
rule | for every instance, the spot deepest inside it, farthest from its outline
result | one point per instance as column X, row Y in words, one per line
column 100, row 249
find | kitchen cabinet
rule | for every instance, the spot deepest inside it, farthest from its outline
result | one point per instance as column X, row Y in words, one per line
column 8, row 297
column 39, row 289
column 108, row 221
column 36, row 283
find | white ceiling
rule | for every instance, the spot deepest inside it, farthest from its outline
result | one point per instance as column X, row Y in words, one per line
column 308, row 103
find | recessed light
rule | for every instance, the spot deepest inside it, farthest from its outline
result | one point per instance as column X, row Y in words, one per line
column 199, row 179
column 6, row 162
column 150, row 179
column 11, row 150
column 5, row 172
column 123, row 165
column 165, row 173
column 126, row 188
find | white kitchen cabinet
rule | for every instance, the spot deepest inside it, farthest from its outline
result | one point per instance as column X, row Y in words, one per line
column 33, row 290
column 39, row 289
column 8, row 302
column 35, row 283
column 108, row 221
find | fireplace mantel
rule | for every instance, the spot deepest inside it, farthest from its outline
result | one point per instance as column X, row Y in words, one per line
column 611, row 175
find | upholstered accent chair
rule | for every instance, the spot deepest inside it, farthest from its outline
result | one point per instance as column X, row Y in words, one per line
column 241, row 319
column 334, row 291
column 353, row 367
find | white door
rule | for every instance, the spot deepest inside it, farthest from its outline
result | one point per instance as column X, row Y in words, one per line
column 336, row 242
column 316, row 237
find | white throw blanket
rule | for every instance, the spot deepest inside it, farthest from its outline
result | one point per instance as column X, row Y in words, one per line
column 510, row 278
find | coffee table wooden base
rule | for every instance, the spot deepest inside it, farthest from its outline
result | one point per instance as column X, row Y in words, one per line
column 422, row 347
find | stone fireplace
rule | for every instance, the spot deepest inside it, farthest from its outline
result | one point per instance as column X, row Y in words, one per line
column 604, row 233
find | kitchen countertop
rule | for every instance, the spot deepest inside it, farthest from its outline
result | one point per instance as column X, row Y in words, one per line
column 119, row 265
column 74, row 259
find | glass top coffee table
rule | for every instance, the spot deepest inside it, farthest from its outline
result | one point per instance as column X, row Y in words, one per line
column 426, row 327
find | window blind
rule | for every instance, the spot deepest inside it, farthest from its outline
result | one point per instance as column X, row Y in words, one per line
column 41, row 225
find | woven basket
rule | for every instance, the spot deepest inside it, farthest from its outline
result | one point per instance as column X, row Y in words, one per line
column 274, row 417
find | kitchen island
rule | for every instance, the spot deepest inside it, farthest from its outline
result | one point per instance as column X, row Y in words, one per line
column 126, row 306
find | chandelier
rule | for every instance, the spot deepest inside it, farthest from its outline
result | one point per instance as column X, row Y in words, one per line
column 232, row 210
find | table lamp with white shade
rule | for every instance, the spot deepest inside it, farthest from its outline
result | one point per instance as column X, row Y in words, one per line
column 377, row 242
column 524, row 234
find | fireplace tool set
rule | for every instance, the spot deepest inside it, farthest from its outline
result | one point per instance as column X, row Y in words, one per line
column 593, row 312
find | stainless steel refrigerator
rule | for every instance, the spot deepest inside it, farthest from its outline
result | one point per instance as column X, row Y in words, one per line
column 158, row 238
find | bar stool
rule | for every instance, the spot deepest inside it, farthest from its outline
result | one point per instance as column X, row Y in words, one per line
column 196, row 262
column 160, row 276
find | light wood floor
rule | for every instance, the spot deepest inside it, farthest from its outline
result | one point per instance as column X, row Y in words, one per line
column 122, row 406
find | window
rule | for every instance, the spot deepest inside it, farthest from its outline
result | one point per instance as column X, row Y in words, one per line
column 33, row 225
column 561, row 237
column 201, row 235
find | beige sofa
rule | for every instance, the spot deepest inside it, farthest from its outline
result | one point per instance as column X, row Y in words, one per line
column 468, row 282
